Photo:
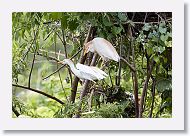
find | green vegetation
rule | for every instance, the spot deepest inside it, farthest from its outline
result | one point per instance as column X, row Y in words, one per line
column 43, row 88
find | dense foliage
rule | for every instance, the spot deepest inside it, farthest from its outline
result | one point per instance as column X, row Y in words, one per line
column 44, row 88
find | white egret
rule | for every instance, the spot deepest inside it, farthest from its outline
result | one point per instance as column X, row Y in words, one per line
column 85, row 72
column 103, row 47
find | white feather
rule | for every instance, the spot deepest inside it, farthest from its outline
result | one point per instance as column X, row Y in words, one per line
column 85, row 72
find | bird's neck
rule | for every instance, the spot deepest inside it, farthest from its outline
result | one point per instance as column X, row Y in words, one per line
column 73, row 69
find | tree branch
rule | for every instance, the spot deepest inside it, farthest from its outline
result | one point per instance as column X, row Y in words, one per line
column 134, row 73
column 145, row 89
column 48, row 57
column 119, row 67
column 153, row 96
column 59, row 72
column 34, row 56
column 40, row 92
column 66, row 55
column 15, row 111
column 82, row 60
column 130, row 66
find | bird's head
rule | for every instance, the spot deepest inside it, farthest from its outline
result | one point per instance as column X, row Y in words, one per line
column 65, row 61
column 88, row 47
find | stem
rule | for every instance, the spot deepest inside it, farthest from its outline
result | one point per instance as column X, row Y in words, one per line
column 110, row 77
column 15, row 111
column 145, row 89
column 119, row 71
column 134, row 74
column 35, row 36
column 65, row 50
column 34, row 56
column 153, row 94
column 49, row 33
column 40, row 92
column 48, row 57
column 130, row 66
column 59, row 73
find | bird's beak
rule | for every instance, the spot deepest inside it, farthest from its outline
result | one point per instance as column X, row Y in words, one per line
column 60, row 62
column 85, row 51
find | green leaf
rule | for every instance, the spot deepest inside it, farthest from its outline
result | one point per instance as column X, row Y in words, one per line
column 163, row 84
column 106, row 22
column 164, row 37
column 156, row 59
column 56, row 15
column 73, row 25
column 150, row 51
column 169, row 34
column 147, row 27
column 122, row 17
column 116, row 30
column 162, row 30
column 64, row 21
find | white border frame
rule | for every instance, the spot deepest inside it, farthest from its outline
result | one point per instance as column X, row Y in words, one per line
column 174, row 6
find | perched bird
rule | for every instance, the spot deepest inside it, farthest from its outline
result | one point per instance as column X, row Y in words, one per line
column 85, row 72
column 103, row 47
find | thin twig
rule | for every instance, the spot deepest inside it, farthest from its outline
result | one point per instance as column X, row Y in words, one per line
column 52, row 52
column 15, row 111
column 49, row 33
column 110, row 77
column 134, row 73
column 48, row 57
column 34, row 56
column 145, row 17
column 119, row 69
column 153, row 97
column 59, row 74
column 35, row 36
column 130, row 66
column 66, row 55
column 40, row 92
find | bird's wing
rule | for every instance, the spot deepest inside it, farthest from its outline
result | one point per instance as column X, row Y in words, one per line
column 105, row 49
column 86, row 71
column 97, row 70
column 93, row 72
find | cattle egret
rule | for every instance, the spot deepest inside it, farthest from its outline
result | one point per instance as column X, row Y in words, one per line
column 103, row 47
column 85, row 72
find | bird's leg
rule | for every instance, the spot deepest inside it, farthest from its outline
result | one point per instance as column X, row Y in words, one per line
column 81, row 81
column 104, row 64
column 110, row 76
column 90, row 100
column 105, row 82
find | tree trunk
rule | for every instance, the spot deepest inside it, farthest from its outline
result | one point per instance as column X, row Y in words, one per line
column 82, row 60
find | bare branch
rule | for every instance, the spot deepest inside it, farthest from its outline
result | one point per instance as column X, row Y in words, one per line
column 59, row 73
column 15, row 111
column 40, row 92
column 145, row 89
column 153, row 97
column 130, row 66
column 34, row 56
